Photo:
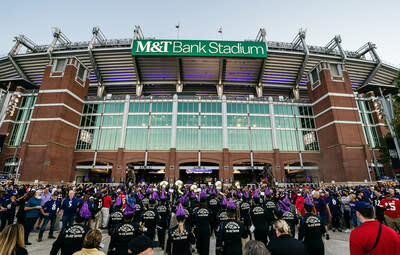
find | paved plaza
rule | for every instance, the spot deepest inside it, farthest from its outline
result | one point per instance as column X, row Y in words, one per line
column 338, row 244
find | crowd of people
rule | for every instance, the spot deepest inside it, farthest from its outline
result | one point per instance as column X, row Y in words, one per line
column 181, row 219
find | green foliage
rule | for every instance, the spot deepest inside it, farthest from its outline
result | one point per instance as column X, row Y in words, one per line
column 384, row 157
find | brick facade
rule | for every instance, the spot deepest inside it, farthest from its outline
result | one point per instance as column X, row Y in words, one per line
column 48, row 153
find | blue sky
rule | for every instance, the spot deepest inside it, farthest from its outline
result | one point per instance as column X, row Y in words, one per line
column 356, row 21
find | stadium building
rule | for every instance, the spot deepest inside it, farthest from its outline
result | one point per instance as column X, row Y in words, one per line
column 110, row 111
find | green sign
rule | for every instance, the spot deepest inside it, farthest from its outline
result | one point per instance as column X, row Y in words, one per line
column 194, row 48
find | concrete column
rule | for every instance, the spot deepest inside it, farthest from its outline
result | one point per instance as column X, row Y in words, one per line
column 174, row 120
column 273, row 126
column 224, row 123
column 124, row 122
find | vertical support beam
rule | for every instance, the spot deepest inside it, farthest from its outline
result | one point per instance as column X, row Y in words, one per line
column 224, row 123
column 273, row 125
column 302, row 38
column 124, row 121
column 220, row 86
column 179, row 84
column 174, row 120
column 18, row 69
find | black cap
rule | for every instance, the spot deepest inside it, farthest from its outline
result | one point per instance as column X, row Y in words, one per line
column 141, row 243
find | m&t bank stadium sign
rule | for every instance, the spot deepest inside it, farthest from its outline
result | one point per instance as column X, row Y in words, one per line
column 194, row 48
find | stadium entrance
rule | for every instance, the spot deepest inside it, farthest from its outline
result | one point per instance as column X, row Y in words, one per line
column 151, row 172
column 191, row 173
column 87, row 172
column 308, row 173
column 244, row 172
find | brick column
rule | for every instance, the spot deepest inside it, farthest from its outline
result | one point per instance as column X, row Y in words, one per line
column 172, row 169
column 340, row 133
column 53, row 129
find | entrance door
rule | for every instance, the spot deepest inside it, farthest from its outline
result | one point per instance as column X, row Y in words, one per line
column 191, row 173
column 151, row 173
column 246, row 174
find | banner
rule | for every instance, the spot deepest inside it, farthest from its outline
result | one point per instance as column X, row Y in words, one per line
column 195, row 48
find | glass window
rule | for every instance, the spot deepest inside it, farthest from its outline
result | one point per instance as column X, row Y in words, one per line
column 314, row 76
column 187, row 120
column 87, row 139
column 139, row 107
column 308, row 140
column 161, row 120
column 211, row 120
column 160, row 139
column 286, row 140
column 136, row 139
column 109, row 138
column 211, row 107
column 187, row 139
column 238, row 121
column 112, row 121
column 283, row 109
column 238, row 139
column 334, row 68
column 284, row 122
column 211, row 139
column 237, row 108
column 92, row 108
column 161, row 107
column 60, row 64
column 138, row 120
column 259, row 108
column 261, row 139
column 90, row 121
column 260, row 121
column 81, row 72
column 18, row 134
column 188, row 107
column 113, row 108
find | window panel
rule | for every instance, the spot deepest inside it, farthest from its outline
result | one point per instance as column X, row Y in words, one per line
column 109, row 138
column 139, row 107
column 308, row 140
column 138, row 120
column 286, row 140
column 284, row 122
column 112, row 121
column 238, row 139
column 237, row 108
column 136, row 139
column 161, row 107
column 211, row 107
column 259, row 108
column 113, row 108
column 188, row 107
column 211, row 139
column 211, row 121
column 261, row 139
column 260, row 121
column 160, row 139
column 283, row 109
column 161, row 120
column 238, row 121
column 87, row 139
column 187, row 120
column 187, row 139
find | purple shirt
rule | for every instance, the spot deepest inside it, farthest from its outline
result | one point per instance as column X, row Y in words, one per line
column 45, row 198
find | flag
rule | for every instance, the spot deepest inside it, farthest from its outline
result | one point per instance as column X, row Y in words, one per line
column 220, row 30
